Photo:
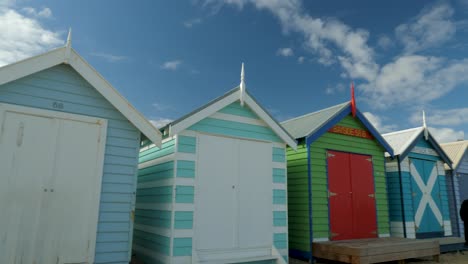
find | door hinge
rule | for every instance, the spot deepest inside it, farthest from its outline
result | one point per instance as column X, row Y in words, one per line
column 374, row 232
column 372, row 195
column 330, row 194
column 369, row 159
column 330, row 155
column 334, row 234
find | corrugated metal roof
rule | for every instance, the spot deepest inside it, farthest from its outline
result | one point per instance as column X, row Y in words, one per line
column 305, row 125
column 455, row 151
column 401, row 140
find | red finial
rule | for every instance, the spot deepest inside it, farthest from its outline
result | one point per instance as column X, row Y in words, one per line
column 353, row 100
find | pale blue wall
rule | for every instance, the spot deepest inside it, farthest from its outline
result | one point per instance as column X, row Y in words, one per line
column 61, row 85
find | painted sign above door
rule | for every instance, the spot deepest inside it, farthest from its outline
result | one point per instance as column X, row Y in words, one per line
column 350, row 131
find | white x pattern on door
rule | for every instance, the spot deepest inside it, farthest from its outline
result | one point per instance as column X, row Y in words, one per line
column 426, row 198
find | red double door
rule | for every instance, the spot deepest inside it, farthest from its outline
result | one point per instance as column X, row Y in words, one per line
column 351, row 196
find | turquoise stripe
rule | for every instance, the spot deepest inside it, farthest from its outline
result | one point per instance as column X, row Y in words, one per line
column 155, row 152
column 182, row 246
column 184, row 194
column 279, row 218
column 183, row 220
column 279, row 155
column 157, row 243
column 154, row 218
column 279, row 196
column 280, row 240
column 235, row 129
column 157, row 172
column 186, row 168
column 161, row 194
column 238, row 110
column 279, row 175
column 187, row 144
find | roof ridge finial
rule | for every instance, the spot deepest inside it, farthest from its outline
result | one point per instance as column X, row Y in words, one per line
column 242, row 85
column 69, row 37
column 426, row 132
column 68, row 46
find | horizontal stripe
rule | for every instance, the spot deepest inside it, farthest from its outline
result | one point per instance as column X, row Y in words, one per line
column 279, row 196
column 240, row 119
column 235, row 129
column 182, row 246
column 186, row 144
column 280, row 218
column 183, row 220
column 157, row 172
column 167, row 148
column 186, row 168
column 184, row 194
column 279, row 175
column 278, row 155
column 280, row 240
column 239, row 110
column 157, row 243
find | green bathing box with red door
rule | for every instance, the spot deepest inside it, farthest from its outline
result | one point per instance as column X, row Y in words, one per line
column 336, row 179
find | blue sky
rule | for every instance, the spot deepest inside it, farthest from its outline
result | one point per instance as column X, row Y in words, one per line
column 169, row 57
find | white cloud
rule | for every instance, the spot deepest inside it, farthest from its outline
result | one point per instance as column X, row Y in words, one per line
column 432, row 27
column 443, row 135
column 301, row 59
column 44, row 13
column 171, row 65
column 385, row 42
column 109, row 57
column 447, row 117
column 320, row 35
column 376, row 121
column 408, row 78
column 161, row 107
column 415, row 79
column 160, row 122
column 285, row 52
column 339, row 88
column 22, row 37
column 192, row 22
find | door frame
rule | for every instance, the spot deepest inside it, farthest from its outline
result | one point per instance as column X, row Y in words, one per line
column 431, row 234
column 4, row 108
column 373, row 183
column 228, row 253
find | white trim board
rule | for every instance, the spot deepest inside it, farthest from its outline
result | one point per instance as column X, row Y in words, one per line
column 58, row 56
column 212, row 108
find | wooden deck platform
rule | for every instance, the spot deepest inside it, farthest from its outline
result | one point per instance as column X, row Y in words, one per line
column 450, row 244
column 366, row 251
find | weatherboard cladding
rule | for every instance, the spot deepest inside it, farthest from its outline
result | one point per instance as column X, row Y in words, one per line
column 159, row 170
column 421, row 150
column 457, row 181
column 62, row 89
column 298, row 205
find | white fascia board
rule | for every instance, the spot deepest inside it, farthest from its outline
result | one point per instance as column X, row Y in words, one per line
column 204, row 113
column 31, row 65
column 270, row 122
column 114, row 97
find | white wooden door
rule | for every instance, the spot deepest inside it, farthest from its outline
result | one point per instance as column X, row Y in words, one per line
column 216, row 196
column 255, row 195
column 49, row 186
column 233, row 203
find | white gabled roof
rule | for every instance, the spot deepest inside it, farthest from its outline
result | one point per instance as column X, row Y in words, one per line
column 401, row 140
column 69, row 56
column 219, row 103
column 455, row 150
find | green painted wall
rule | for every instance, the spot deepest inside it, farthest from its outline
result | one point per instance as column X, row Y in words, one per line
column 298, row 193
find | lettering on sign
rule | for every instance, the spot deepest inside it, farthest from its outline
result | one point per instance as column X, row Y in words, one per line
column 349, row 131
column 57, row 105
